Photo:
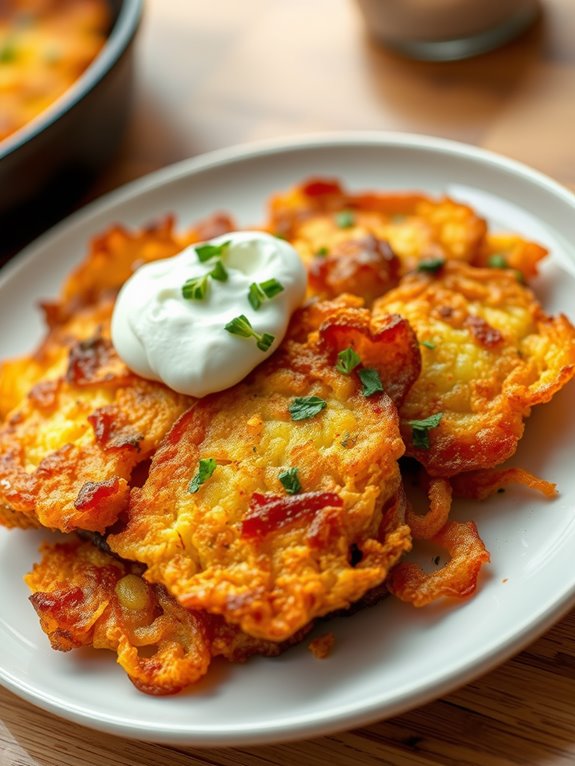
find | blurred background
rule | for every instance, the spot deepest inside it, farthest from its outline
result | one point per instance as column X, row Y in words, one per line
column 211, row 75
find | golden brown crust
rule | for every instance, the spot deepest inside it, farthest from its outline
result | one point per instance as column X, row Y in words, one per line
column 328, row 224
column 84, row 597
column 489, row 354
column 67, row 451
column 296, row 565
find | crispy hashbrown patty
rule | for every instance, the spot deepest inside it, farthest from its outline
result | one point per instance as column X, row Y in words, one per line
column 241, row 547
column 489, row 353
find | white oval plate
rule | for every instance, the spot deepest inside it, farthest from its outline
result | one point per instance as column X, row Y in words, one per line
column 388, row 658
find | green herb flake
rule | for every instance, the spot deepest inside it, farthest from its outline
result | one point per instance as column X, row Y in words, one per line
column 265, row 341
column 497, row 261
column 347, row 361
column 205, row 470
column 219, row 272
column 263, row 291
column 370, row 381
column 421, row 429
column 195, row 289
column 206, row 252
column 345, row 219
column 321, row 252
column 428, row 344
column 431, row 265
column 304, row 407
column 520, row 277
column 290, row 481
column 241, row 326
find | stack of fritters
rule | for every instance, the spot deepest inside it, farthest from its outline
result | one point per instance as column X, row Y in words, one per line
column 303, row 513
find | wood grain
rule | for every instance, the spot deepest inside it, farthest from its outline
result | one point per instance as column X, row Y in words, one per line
column 216, row 74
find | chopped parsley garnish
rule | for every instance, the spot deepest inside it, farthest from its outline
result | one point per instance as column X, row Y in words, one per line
column 347, row 361
column 428, row 344
column 497, row 261
column 195, row 289
column 241, row 326
column 431, row 265
column 321, row 252
column 263, row 291
column 219, row 272
column 345, row 219
column 370, row 381
column 421, row 429
column 304, row 407
column 205, row 470
column 205, row 252
column 290, row 481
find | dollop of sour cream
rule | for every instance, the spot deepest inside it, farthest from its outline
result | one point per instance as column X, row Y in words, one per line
column 183, row 341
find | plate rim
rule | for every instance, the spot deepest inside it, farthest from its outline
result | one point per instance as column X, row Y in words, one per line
column 318, row 724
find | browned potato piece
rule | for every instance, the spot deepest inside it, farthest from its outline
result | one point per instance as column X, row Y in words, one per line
column 324, row 221
column 67, row 451
column 269, row 556
column 85, row 597
column 489, row 354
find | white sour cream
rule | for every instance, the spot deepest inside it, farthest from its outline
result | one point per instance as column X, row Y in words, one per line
column 163, row 336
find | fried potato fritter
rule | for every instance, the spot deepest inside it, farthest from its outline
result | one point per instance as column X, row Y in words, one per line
column 115, row 255
column 78, row 422
column 361, row 242
column 67, row 452
column 489, row 354
column 239, row 545
column 84, row 597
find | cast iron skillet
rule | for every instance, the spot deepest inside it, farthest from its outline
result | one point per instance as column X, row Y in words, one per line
column 75, row 136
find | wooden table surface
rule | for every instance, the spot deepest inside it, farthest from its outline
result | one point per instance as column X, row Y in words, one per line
column 214, row 74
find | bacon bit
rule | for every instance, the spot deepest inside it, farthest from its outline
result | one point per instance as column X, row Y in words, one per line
column 44, row 394
column 104, row 421
column 391, row 348
column 268, row 513
column 93, row 493
column 367, row 267
column 87, row 358
column 321, row 646
column 55, row 611
column 214, row 226
column 483, row 332
column 317, row 187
